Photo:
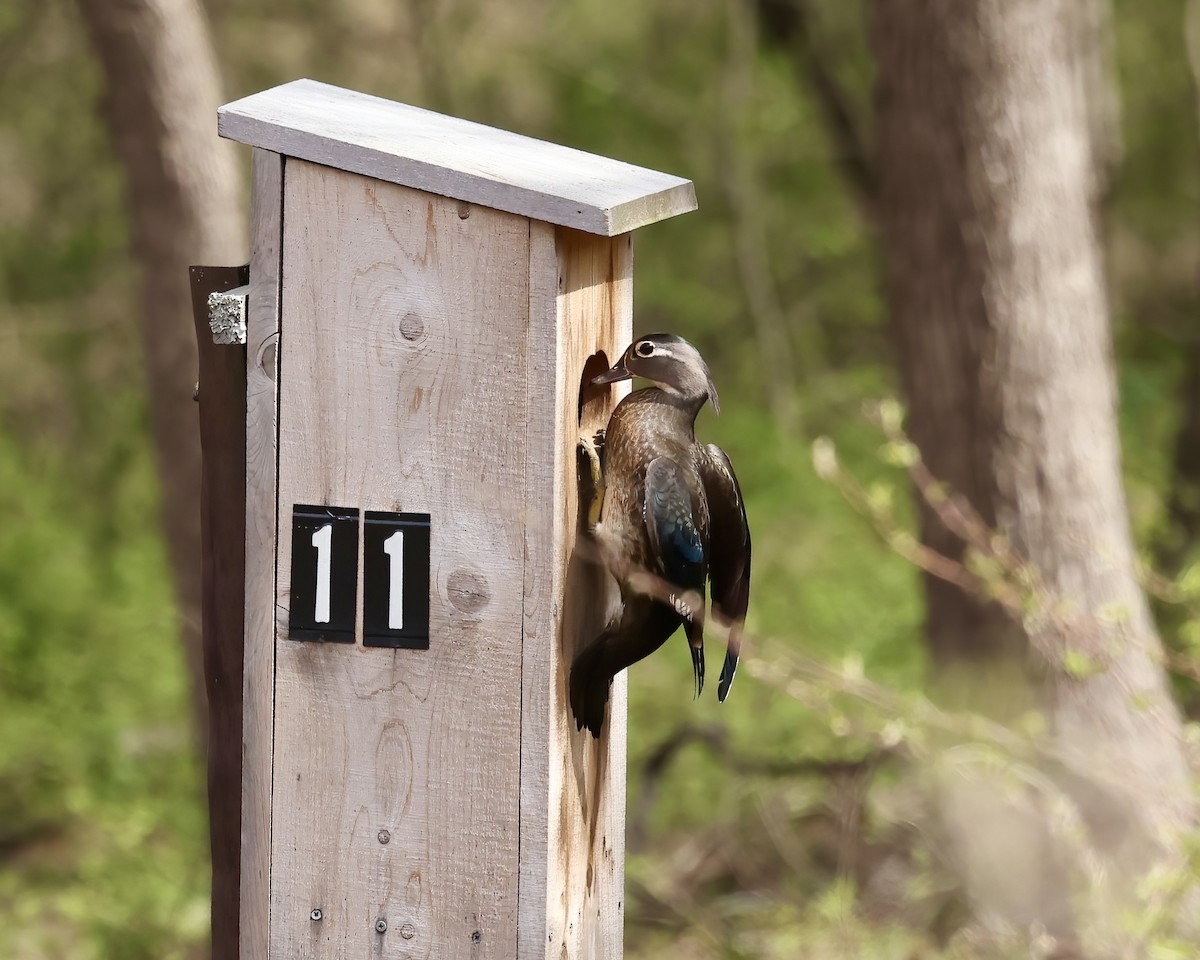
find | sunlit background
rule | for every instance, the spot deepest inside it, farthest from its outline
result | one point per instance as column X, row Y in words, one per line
column 770, row 826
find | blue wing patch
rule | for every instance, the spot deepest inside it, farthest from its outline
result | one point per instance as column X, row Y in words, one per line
column 672, row 529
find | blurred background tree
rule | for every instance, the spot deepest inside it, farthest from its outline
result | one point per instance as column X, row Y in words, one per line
column 182, row 203
column 991, row 165
column 790, row 822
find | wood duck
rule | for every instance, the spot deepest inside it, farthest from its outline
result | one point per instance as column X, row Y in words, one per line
column 668, row 506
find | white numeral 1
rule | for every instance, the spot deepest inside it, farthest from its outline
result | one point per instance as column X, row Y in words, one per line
column 323, row 541
column 393, row 546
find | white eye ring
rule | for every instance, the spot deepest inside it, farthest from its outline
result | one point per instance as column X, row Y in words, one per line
column 644, row 349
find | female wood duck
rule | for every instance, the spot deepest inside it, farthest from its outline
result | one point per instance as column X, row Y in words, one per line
column 670, row 507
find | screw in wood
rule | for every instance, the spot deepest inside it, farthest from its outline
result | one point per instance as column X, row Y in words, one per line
column 381, row 925
column 383, row 836
column 316, row 916
column 408, row 931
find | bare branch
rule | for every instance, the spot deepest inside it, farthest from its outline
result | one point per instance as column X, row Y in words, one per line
column 716, row 739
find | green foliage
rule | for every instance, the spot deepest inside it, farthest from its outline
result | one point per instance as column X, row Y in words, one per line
column 1080, row 665
column 810, row 550
column 102, row 833
column 103, row 842
column 97, row 770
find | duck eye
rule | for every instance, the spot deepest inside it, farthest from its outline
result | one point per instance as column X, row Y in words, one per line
column 644, row 349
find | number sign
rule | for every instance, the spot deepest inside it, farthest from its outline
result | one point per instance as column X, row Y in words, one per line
column 325, row 577
column 396, row 580
column 324, row 573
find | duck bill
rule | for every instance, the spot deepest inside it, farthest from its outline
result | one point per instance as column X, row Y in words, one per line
column 618, row 372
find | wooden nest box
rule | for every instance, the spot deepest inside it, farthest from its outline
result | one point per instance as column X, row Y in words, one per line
column 424, row 296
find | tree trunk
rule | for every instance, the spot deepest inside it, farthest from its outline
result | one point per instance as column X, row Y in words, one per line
column 183, row 197
column 996, row 288
column 1183, row 502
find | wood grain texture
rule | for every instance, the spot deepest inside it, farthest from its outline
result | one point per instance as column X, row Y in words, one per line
column 572, row 786
column 222, row 410
column 454, row 158
column 258, row 681
column 402, row 387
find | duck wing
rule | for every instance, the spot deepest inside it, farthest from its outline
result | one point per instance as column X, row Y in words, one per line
column 728, row 555
column 677, row 546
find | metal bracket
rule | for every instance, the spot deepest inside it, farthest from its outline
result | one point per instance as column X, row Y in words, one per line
column 227, row 315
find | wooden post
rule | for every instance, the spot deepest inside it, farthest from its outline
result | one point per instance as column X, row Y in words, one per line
column 414, row 783
column 222, row 409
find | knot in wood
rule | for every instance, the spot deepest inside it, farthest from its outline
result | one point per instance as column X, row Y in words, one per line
column 468, row 591
column 412, row 327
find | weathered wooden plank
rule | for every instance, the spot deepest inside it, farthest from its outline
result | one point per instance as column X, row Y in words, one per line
column 262, row 337
column 542, row 590
column 573, row 787
column 454, row 158
column 222, row 409
column 402, row 379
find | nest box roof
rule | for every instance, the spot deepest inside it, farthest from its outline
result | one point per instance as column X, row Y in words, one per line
column 454, row 158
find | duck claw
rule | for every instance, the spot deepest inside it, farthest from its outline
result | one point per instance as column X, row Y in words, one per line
column 592, row 451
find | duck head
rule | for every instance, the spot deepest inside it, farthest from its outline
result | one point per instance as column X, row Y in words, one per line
column 671, row 364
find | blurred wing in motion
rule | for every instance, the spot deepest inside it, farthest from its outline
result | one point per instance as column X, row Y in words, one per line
column 728, row 554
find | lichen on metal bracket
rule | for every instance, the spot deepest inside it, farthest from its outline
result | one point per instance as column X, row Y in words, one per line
column 227, row 315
